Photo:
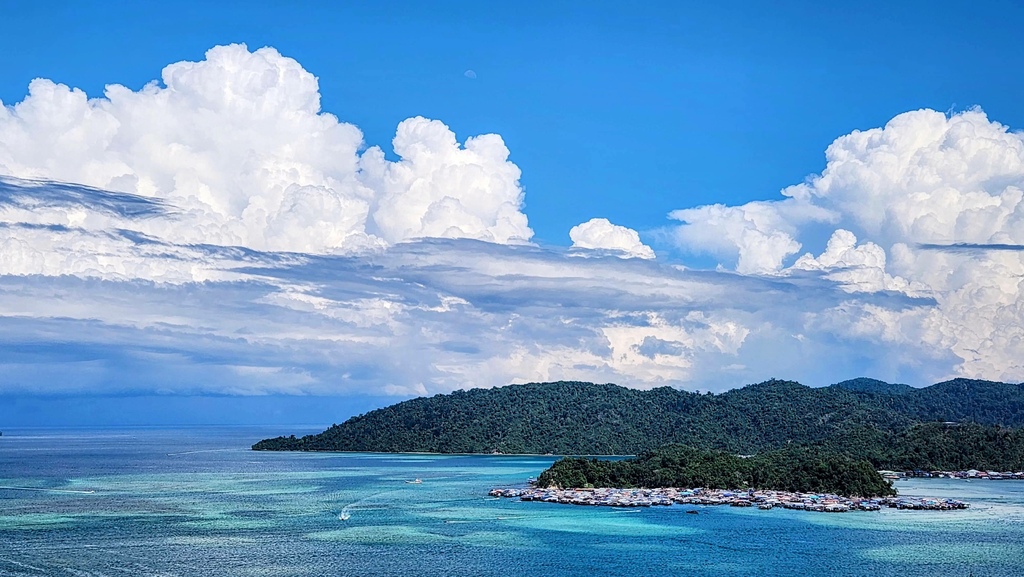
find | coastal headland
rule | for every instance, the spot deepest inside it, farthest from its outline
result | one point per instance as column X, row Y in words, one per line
column 956, row 425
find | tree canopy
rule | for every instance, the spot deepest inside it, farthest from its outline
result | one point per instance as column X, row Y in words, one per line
column 956, row 424
column 800, row 469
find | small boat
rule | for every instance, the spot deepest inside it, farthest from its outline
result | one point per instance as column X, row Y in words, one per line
column 414, row 482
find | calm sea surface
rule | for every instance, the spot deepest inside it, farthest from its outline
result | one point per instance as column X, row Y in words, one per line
column 198, row 502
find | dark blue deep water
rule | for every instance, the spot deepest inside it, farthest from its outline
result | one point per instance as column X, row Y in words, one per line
column 196, row 502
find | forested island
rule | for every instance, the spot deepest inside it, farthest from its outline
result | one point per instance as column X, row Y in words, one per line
column 803, row 470
column 954, row 425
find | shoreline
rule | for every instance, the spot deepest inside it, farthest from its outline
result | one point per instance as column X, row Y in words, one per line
column 549, row 455
column 969, row 474
column 762, row 499
column 891, row 475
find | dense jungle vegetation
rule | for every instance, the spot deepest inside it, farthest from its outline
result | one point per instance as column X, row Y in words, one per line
column 957, row 424
column 791, row 469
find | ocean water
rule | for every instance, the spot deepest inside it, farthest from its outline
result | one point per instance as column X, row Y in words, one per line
column 197, row 502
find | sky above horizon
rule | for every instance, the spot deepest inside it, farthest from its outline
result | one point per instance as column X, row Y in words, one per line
column 267, row 205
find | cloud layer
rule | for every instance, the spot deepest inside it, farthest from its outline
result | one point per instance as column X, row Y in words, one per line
column 417, row 318
column 228, row 236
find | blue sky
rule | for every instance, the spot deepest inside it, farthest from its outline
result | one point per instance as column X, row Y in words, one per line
column 329, row 281
column 607, row 108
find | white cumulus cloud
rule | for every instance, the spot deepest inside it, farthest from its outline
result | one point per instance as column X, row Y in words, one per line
column 759, row 235
column 600, row 234
column 936, row 199
column 440, row 189
column 238, row 144
column 858, row 267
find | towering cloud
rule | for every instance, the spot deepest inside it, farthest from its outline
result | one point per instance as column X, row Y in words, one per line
column 442, row 190
column 239, row 145
column 924, row 189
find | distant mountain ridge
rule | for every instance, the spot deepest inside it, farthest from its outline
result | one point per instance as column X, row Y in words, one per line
column 866, row 385
column 862, row 417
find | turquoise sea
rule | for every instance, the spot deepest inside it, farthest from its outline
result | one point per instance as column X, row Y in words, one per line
column 197, row 502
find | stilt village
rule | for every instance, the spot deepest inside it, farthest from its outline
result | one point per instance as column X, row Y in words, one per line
column 764, row 500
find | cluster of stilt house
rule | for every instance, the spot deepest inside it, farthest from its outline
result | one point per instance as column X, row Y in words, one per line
column 765, row 500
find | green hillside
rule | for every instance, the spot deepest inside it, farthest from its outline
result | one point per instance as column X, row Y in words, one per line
column 791, row 469
column 860, row 417
column 866, row 385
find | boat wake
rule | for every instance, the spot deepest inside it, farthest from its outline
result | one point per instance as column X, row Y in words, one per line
column 204, row 451
column 365, row 503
